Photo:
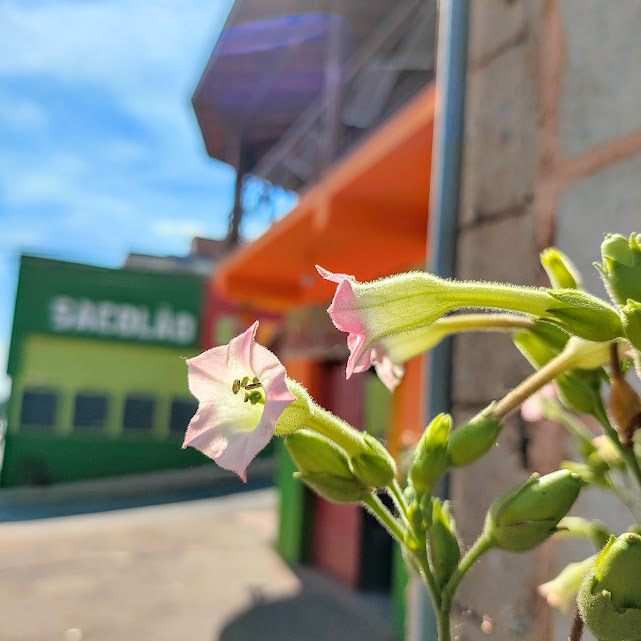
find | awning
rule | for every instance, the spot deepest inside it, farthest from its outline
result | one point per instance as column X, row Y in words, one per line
column 367, row 216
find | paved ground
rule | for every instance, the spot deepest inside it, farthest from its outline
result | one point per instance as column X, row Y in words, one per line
column 194, row 571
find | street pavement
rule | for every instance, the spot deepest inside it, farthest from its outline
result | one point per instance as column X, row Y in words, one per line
column 202, row 570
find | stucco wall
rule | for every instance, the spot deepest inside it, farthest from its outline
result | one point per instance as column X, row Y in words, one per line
column 552, row 156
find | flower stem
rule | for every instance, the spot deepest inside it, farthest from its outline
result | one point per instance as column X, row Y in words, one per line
column 576, row 354
column 396, row 494
column 500, row 296
column 336, row 430
column 384, row 517
column 576, row 631
column 513, row 399
column 443, row 624
column 480, row 547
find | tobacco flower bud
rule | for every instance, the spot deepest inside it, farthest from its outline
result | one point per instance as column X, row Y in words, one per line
column 374, row 466
column 610, row 596
column 445, row 551
column 430, row 457
column 473, row 439
column 560, row 269
column 631, row 318
column 527, row 515
column 324, row 468
column 621, row 267
column 585, row 316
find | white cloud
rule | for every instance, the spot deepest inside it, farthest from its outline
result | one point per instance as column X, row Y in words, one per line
column 182, row 228
column 144, row 52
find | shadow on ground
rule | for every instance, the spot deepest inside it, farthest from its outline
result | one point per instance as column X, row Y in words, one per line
column 323, row 611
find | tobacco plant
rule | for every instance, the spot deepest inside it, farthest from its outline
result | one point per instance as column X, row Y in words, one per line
column 580, row 347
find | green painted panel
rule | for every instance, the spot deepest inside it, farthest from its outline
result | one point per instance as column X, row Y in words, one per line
column 294, row 517
column 71, row 365
column 31, row 460
column 61, row 298
column 400, row 580
column 378, row 407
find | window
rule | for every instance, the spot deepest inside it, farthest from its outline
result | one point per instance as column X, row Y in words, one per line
column 139, row 413
column 39, row 408
column 181, row 412
column 90, row 410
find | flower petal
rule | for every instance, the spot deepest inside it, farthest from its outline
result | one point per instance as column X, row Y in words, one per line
column 207, row 373
column 331, row 276
column 226, row 428
column 223, row 435
column 345, row 314
column 390, row 373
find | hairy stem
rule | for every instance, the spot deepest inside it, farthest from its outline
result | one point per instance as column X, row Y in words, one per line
column 385, row 518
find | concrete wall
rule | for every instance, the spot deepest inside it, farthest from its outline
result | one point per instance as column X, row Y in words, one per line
column 552, row 156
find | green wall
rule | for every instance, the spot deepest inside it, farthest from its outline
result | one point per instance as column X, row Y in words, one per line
column 61, row 298
column 71, row 365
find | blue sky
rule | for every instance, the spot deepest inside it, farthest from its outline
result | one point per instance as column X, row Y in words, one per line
column 100, row 153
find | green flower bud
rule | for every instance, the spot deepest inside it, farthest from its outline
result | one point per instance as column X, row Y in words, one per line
column 316, row 454
column 579, row 389
column 445, row 551
column 560, row 269
column 427, row 509
column 430, row 457
column 610, row 596
column 621, row 267
column 527, row 515
column 335, row 488
column 585, row 316
column 375, row 466
column 473, row 439
column 324, row 468
column 631, row 317
column 415, row 516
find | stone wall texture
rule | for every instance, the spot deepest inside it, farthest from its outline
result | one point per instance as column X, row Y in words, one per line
column 552, row 156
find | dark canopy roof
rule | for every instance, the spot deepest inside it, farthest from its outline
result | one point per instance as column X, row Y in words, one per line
column 268, row 66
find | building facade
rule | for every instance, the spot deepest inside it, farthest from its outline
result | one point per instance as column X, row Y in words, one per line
column 99, row 384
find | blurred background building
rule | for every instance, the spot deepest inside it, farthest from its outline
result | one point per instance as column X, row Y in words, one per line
column 99, row 385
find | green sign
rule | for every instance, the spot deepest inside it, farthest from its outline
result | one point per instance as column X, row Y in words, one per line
column 122, row 320
column 71, row 299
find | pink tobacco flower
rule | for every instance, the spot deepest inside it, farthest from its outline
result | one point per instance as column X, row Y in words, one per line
column 362, row 355
column 242, row 391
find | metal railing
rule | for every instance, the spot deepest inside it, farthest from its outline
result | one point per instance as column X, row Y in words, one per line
column 395, row 63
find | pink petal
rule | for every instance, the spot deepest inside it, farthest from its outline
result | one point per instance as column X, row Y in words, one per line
column 208, row 373
column 390, row 373
column 224, row 428
column 216, row 437
column 346, row 316
column 333, row 277
column 240, row 349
